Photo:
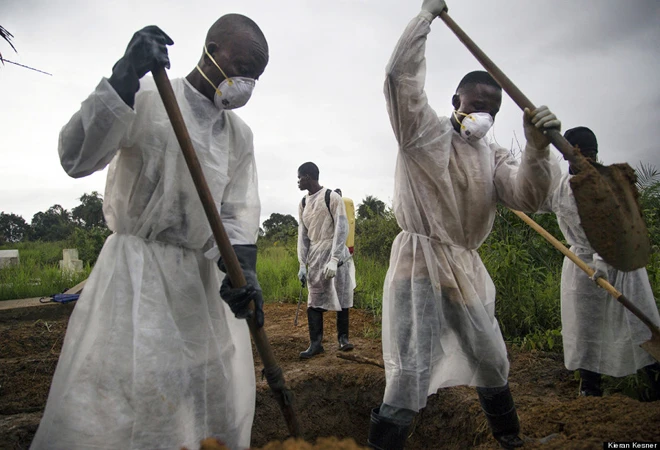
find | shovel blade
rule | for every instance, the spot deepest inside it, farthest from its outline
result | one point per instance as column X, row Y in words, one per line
column 652, row 346
column 610, row 214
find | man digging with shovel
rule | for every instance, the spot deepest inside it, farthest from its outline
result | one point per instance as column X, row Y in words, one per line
column 439, row 326
column 600, row 336
column 153, row 358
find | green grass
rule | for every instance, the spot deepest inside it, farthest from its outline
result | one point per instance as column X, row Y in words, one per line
column 370, row 276
column 38, row 274
column 277, row 270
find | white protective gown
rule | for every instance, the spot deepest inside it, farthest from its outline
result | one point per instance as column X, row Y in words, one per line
column 598, row 333
column 319, row 239
column 153, row 358
column 439, row 326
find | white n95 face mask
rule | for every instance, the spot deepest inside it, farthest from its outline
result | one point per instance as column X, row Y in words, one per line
column 232, row 93
column 474, row 126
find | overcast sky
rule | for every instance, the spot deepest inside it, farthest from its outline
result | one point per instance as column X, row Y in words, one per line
column 593, row 62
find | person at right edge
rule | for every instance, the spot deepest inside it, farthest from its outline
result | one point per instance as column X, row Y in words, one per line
column 439, row 326
column 599, row 335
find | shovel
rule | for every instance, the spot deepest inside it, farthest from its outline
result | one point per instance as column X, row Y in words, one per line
column 272, row 371
column 606, row 196
column 652, row 346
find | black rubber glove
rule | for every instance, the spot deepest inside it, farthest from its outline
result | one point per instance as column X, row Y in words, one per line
column 146, row 51
column 239, row 299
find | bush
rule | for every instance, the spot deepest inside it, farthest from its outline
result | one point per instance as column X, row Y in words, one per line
column 526, row 271
column 89, row 242
column 374, row 235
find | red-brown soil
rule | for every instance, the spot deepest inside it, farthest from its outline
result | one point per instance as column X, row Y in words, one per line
column 333, row 396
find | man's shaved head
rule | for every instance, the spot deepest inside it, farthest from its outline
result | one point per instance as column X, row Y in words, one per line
column 477, row 77
column 235, row 28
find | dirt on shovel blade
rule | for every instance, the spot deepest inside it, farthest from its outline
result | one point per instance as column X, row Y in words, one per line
column 610, row 214
column 331, row 443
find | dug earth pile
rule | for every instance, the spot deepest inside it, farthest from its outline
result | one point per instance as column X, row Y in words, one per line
column 333, row 397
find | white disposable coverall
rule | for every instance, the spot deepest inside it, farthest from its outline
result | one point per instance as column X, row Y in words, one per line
column 321, row 237
column 598, row 333
column 153, row 358
column 439, row 327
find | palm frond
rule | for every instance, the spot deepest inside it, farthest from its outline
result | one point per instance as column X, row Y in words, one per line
column 7, row 36
column 647, row 175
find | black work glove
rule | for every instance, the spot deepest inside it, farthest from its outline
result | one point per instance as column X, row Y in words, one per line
column 146, row 51
column 239, row 299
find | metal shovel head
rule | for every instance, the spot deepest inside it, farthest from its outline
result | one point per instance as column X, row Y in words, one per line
column 652, row 346
column 608, row 205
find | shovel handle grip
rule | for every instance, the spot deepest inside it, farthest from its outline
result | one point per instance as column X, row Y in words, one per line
column 588, row 270
column 509, row 87
column 222, row 240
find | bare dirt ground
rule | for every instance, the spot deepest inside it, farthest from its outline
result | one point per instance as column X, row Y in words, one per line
column 333, row 396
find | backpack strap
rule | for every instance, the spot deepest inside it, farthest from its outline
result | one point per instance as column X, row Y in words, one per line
column 327, row 203
column 304, row 201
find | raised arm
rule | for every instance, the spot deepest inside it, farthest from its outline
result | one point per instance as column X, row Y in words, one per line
column 94, row 134
column 526, row 185
column 414, row 122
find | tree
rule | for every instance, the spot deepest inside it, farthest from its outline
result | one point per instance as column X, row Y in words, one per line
column 370, row 207
column 280, row 226
column 13, row 228
column 52, row 225
column 89, row 213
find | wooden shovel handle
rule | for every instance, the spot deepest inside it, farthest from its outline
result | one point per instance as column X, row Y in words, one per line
column 222, row 240
column 509, row 87
column 588, row 270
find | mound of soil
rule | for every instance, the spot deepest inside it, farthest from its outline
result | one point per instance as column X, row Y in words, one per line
column 333, row 396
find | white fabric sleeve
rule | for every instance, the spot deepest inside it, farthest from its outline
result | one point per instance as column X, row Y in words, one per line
column 552, row 202
column 415, row 124
column 524, row 186
column 94, row 134
column 303, row 238
column 341, row 226
column 240, row 208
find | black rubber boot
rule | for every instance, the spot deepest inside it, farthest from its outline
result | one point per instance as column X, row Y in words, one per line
column 342, row 331
column 315, row 321
column 387, row 434
column 497, row 404
column 653, row 374
column 590, row 384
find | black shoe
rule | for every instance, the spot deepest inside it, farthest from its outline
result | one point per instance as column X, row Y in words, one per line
column 590, row 384
column 387, row 434
column 315, row 321
column 342, row 331
column 497, row 404
column 510, row 441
